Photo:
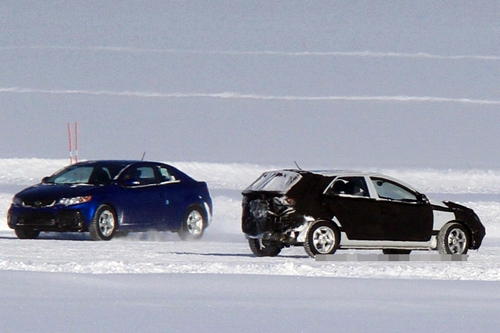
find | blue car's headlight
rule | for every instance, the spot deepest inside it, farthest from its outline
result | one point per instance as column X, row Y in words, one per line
column 74, row 200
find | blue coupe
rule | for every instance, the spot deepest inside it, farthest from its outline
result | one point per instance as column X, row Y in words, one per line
column 106, row 197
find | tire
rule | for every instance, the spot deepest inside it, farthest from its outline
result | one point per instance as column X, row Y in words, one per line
column 395, row 251
column 193, row 224
column 261, row 250
column 322, row 238
column 453, row 239
column 104, row 224
column 22, row 233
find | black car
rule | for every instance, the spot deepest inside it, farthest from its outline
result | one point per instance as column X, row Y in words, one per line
column 329, row 210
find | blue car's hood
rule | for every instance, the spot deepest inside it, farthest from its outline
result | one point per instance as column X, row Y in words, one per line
column 52, row 191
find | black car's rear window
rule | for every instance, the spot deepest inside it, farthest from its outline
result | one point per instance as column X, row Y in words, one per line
column 275, row 181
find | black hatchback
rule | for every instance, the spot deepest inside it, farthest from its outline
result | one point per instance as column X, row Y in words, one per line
column 329, row 210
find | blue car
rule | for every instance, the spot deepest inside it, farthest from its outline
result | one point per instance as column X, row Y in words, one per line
column 109, row 197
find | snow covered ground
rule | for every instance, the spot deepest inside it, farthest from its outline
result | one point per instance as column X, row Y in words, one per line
column 153, row 282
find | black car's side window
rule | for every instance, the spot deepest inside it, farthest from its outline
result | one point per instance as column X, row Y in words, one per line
column 389, row 190
column 355, row 186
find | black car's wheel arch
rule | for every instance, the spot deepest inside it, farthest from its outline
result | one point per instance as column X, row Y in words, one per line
column 331, row 220
column 474, row 242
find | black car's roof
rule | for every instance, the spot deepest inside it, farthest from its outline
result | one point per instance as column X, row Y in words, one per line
column 341, row 173
column 326, row 173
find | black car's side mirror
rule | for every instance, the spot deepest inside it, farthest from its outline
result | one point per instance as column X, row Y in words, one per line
column 328, row 194
column 422, row 199
column 45, row 179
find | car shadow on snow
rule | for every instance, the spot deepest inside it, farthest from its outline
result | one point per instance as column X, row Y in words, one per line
column 245, row 255
column 54, row 236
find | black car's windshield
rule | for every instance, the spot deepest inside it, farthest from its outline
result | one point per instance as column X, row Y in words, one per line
column 91, row 174
column 275, row 181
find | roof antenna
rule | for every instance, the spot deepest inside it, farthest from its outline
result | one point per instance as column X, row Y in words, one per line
column 143, row 154
column 297, row 165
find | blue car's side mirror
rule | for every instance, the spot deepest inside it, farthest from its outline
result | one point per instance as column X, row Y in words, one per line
column 130, row 182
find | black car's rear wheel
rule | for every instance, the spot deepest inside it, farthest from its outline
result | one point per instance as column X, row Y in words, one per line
column 262, row 248
column 453, row 239
column 104, row 224
column 193, row 224
column 25, row 233
column 322, row 238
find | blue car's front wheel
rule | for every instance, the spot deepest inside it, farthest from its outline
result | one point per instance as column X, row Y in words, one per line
column 104, row 223
column 24, row 233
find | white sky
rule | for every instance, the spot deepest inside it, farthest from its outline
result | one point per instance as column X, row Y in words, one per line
column 323, row 83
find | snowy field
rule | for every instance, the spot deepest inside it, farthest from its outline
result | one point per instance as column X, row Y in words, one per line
column 153, row 282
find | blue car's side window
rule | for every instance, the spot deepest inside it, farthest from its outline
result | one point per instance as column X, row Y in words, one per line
column 144, row 175
column 165, row 175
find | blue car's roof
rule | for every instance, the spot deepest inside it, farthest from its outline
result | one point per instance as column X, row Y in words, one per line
column 178, row 173
column 112, row 162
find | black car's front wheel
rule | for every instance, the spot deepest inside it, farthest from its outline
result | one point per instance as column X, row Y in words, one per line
column 322, row 238
column 453, row 239
column 104, row 224
column 262, row 249
column 193, row 224
column 24, row 233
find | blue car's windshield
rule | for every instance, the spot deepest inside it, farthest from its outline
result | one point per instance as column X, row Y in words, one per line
column 91, row 174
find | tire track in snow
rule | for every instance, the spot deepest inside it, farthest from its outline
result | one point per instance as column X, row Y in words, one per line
column 240, row 96
column 361, row 54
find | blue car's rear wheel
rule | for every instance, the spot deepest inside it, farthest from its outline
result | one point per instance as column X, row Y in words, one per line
column 104, row 223
column 193, row 224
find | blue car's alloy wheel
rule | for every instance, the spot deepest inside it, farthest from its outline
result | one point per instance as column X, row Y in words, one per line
column 193, row 224
column 103, row 226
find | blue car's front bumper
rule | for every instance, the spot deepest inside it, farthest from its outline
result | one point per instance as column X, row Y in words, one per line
column 49, row 219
